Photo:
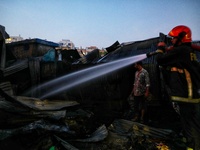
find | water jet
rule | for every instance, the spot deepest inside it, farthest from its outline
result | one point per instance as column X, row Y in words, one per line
column 74, row 79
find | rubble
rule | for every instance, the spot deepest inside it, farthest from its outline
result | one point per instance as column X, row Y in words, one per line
column 76, row 129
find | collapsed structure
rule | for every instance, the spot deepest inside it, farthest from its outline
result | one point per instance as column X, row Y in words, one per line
column 81, row 109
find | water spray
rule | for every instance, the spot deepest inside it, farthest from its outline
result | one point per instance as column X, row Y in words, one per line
column 71, row 80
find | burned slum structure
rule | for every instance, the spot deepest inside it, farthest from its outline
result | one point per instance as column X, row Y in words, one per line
column 32, row 62
column 110, row 91
column 54, row 124
column 69, row 57
column 91, row 115
column 34, row 124
column 28, row 122
column 23, row 63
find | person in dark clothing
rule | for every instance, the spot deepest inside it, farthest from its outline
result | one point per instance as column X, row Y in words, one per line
column 183, row 78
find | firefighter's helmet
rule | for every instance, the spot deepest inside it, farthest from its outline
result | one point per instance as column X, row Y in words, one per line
column 182, row 32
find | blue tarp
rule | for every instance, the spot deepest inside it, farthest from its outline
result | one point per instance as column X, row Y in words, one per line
column 49, row 56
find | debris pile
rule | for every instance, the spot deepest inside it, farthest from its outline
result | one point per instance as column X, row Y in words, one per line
column 30, row 123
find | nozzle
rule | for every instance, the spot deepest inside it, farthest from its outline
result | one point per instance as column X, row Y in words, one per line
column 151, row 54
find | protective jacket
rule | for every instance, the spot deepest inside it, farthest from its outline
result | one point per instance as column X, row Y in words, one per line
column 183, row 79
column 183, row 73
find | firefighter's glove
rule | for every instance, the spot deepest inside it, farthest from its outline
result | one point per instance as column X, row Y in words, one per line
column 152, row 53
column 161, row 47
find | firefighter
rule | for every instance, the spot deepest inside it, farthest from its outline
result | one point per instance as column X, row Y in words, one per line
column 183, row 78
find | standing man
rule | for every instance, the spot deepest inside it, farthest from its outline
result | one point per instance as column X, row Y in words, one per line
column 140, row 92
column 184, row 81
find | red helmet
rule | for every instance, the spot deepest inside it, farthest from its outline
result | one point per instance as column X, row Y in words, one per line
column 182, row 32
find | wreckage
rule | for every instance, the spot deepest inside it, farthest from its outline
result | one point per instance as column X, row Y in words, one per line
column 77, row 118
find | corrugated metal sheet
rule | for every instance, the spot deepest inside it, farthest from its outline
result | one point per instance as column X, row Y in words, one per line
column 133, row 48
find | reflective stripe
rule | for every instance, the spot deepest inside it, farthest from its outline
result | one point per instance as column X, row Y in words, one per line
column 193, row 57
column 159, row 51
column 186, row 100
column 177, row 69
column 189, row 81
column 189, row 85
